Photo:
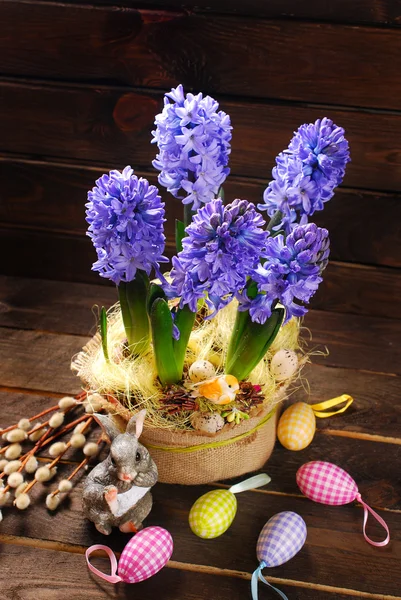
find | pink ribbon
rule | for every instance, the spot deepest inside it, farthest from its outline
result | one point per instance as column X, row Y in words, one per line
column 366, row 511
column 113, row 578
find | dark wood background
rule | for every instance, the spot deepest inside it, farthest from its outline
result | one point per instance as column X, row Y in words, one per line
column 80, row 84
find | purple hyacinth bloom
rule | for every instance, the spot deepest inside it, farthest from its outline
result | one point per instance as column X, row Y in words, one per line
column 291, row 273
column 223, row 246
column 323, row 150
column 307, row 173
column 193, row 138
column 125, row 216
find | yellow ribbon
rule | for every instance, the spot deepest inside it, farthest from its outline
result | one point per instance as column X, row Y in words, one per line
column 323, row 406
column 213, row 444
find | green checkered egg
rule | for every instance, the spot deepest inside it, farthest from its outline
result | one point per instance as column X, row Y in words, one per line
column 213, row 513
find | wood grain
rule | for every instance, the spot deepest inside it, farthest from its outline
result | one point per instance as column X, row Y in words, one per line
column 360, row 289
column 111, row 126
column 332, row 534
column 353, row 341
column 69, row 575
column 57, row 307
column 380, row 12
column 375, row 478
column 346, row 287
column 32, row 359
column 376, row 409
column 385, row 12
column 133, row 47
column 29, row 190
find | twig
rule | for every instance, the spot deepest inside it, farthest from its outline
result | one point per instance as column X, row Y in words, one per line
column 79, row 467
column 59, row 457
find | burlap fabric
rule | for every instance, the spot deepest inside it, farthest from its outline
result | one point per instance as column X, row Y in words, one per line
column 212, row 464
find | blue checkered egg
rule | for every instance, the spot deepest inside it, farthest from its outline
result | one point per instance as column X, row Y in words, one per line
column 213, row 513
column 281, row 538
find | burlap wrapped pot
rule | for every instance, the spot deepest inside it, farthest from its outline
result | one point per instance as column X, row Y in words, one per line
column 188, row 458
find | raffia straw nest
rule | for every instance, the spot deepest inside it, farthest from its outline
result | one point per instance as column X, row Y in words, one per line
column 133, row 381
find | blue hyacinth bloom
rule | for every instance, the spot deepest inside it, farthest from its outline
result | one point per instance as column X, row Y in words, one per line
column 126, row 216
column 290, row 274
column 307, row 173
column 193, row 138
column 222, row 248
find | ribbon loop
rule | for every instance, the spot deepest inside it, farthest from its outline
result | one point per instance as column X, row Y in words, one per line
column 320, row 409
column 113, row 578
column 366, row 510
column 251, row 483
column 256, row 576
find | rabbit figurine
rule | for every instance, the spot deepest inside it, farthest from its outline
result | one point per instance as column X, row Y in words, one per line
column 116, row 493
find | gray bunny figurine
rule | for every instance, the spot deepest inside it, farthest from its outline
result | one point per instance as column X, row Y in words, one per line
column 116, row 493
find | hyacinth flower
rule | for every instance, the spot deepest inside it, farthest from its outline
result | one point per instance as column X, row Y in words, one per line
column 290, row 275
column 126, row 225
column 306, row 174
column 221, row 249
column 193, row 138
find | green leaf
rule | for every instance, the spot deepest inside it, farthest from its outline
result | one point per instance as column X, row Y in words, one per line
column 241, row 320
column 184, row 320
column 103, row 332
column 188, row 214
column 276, row 233
column 255, row 342
column 179, row 234
column 275, row 220
column 155, row 291
column 162, row 333
column 133, row 296
column 220, row 193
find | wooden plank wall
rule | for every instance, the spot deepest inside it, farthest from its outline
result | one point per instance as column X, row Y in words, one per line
column 80, row 84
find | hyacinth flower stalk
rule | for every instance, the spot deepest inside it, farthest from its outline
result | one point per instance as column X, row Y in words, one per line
column 193, row 139
column 221, row 248
column 290, row 275
column 305, row 177
column 126, row 224
column 306, row 174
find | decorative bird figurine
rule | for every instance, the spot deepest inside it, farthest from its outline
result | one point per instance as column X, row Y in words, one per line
column 220, row 390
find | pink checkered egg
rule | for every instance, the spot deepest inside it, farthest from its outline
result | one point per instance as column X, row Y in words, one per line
column 281, row 538
column 146, row 554
column 326, row 483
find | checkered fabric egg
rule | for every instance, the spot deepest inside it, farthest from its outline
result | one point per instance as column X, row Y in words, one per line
column 297, row 426
column 326, row 483
column 329, row 484
column 281, row 538
column 145, row 554
column 213, row 513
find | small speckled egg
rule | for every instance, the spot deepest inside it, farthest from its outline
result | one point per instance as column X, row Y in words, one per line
column 213, row 513
column 297, row 426
column 201, row 370
column 284, row 364
column 208, row 422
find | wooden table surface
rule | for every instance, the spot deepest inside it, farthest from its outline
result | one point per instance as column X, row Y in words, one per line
column 43, row 324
